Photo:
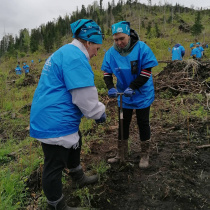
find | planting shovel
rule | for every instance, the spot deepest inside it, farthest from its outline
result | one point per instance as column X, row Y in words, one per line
column 120, row 142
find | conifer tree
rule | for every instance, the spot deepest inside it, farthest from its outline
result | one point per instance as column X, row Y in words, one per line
column 197, row 28
column 149, row 27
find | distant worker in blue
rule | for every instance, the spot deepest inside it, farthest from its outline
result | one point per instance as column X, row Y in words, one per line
column 25, row 68
column 196, row 52
column 200, row 48
column 178, row 52
column 131, row 61
column 18, row 70
column 66, row 92
column 32, row 61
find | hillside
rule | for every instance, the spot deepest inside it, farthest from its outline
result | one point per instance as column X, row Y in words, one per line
column 178, row 177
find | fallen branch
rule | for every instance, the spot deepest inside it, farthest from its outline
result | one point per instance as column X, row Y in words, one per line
column 203, row 146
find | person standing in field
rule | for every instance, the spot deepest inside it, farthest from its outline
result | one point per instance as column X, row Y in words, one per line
column 178, row 52
column 25, row 68
column 200, row 48
column 66, row 92
column 18, row 70
column 196, row 52
column 131, row 61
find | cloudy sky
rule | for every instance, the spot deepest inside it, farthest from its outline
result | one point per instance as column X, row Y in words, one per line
column 20, row 14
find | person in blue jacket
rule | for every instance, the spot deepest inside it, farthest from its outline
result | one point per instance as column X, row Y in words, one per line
column 25, row 68
column 196, row 52
column 198, row 44
column 18, row 70
column 131, row 61
column 65, row 93
column 178, row 52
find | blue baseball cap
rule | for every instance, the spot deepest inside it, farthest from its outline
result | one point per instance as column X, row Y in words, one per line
column 121, row 27
column 88, row 30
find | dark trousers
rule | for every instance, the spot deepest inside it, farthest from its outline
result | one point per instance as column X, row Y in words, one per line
column 142, row 116
column 56, row 159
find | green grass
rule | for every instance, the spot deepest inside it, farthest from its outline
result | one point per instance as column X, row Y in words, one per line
column 17, row 161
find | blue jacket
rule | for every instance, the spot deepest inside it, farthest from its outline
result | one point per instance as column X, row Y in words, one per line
column 52, row 113
column 18, row 70
column 26, row 68
column 120, row 66
column 178, row 52
column 201, row 49
column 196, row 52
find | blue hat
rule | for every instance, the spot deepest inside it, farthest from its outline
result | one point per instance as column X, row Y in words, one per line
column 121, row 27
column 177, row 45
column 198, row 43
column 87, row 30
column 191, row 45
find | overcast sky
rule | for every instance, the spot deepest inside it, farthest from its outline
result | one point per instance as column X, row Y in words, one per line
column 19, row 14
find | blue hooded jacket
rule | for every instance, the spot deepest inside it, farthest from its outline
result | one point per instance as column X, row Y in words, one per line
column 120, row 66
column 178, row 52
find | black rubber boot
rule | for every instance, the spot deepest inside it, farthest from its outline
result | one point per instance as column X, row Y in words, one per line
column 61, row 205
column 79, row 179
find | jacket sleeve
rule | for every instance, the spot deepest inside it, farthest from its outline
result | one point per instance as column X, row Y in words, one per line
column 108, row 79
column 141, row 79
column 86, row 99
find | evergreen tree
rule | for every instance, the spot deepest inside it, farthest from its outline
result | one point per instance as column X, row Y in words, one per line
column 49, row 36
column 83, row 12
column 101, row 5
column 24, row 41
column 197, row 28
column 157, row 31
column 35, row 40
column 148, row 32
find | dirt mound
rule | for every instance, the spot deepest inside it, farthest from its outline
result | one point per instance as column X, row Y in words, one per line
column 28, row 80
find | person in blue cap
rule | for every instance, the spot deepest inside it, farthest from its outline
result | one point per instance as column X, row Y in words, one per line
column 18, row 70
column 196, row 52
column 25, row 68
column 199, row 46
column 178, row 52
column 131, row 61
column 65, row 93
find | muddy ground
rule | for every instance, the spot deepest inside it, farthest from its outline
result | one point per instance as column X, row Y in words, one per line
column 179, row 172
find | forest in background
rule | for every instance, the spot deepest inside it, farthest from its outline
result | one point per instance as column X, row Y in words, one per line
column 163, row 24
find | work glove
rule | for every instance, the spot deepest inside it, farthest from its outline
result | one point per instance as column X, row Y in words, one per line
column 129, row 92
column 102, row 119
column 112, row 93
